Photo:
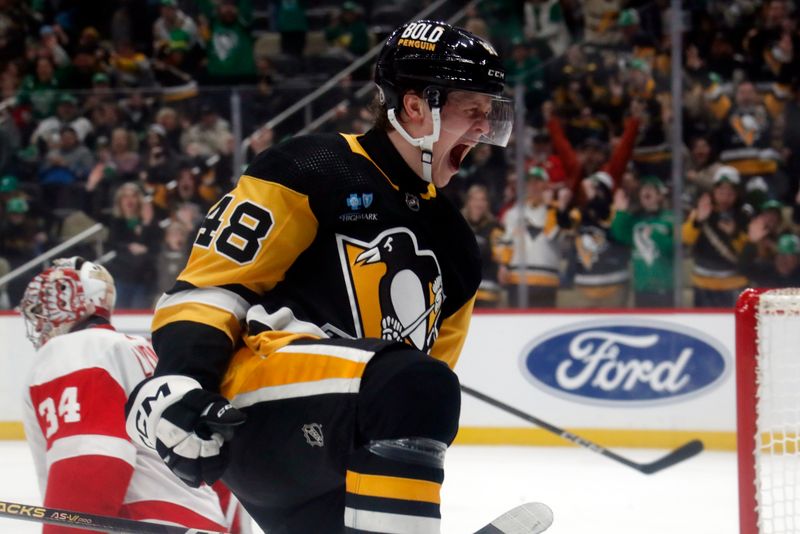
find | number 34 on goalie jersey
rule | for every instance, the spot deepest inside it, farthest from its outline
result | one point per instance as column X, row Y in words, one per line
column 68, row 411
column 76, row 394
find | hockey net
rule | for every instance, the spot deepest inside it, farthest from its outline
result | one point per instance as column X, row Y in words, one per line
column 768, row 410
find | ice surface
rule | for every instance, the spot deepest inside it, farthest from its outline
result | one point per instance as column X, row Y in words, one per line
column 589, row 494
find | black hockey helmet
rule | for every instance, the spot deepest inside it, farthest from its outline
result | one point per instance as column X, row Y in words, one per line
column 435, row 60
column 426, row 53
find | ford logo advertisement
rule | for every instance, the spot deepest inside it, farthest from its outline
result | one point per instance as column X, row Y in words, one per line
column 641, row 361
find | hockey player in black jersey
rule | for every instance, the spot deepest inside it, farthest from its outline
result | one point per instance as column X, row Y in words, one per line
column 306, row 350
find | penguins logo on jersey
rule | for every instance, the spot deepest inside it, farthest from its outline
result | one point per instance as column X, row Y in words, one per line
column 589, row 245
column 395, row 288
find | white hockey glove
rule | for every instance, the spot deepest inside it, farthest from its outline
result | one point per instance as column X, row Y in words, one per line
column 187, row 425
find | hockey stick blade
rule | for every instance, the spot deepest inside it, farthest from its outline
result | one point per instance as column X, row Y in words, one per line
column 528, row 518
column 683, row 452
column 99, row 523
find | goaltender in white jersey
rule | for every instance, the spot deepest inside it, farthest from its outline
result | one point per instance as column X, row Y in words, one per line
column 74, row 408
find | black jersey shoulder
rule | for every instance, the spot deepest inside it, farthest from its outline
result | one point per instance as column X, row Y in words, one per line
column 458, row 242
column 309, row 164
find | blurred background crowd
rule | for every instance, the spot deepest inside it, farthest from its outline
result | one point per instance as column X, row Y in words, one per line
column 139, row 114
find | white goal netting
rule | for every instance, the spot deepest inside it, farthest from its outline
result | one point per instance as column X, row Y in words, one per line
column 777, row 450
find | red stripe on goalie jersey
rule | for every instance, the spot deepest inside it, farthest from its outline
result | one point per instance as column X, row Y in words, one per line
column 91, row 484
column 87, row 401
column 230, row 507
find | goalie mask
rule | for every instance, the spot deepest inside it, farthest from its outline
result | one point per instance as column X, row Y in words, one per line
column 439, row 61
column 63, row 296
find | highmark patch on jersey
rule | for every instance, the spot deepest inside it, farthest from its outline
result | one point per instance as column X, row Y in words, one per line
column 395, row 289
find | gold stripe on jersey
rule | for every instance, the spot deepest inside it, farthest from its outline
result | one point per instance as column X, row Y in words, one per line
column 294, row 228
column 534, row 279
column 725, row 283
column 602, row 291
column 389, row 487
column 488, row 296
column 452, row 335
column 754, row 166
column 250, row 372
column 653, row 157
column 199, row 313
column 355, row 146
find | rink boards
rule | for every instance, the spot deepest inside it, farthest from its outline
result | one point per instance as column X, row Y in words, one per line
column 653, row 379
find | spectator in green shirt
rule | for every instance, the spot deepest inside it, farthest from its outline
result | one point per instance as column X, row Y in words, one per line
column 40, row 89
column 348, row 32
column 648, row 231
column 292, row 24
column 229, row 47
column 206, row 9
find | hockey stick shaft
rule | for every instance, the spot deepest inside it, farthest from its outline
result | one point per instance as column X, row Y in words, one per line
column 683, row 452
column 100, row 523
column 535, row 517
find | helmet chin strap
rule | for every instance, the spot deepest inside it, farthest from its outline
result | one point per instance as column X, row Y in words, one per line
column 425, row 143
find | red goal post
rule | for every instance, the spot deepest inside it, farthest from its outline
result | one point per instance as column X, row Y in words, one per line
column 768, row 410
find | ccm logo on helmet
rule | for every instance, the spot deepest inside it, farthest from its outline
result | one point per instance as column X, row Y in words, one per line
column 423, row 32
column 496, row 74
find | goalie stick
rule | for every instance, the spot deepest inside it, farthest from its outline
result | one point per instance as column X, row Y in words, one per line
column 100, row 523
column 528, row 518
column 685, row 451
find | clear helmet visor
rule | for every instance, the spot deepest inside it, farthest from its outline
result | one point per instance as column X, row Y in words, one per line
column 478, row 117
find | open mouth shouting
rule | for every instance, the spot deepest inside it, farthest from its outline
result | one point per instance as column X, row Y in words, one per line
column 457, row 155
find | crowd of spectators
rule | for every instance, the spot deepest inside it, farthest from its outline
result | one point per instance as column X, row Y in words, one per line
column 120, row 113
column 597, row 223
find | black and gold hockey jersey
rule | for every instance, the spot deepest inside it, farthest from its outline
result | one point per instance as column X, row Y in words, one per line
column 323, row 236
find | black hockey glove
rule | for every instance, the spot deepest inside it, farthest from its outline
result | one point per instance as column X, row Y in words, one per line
column 187, row 425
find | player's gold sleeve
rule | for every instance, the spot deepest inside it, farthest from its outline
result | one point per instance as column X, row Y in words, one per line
column 246, row 244
column 452, row 334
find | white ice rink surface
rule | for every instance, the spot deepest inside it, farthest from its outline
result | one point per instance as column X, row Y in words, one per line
column 589, row 494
